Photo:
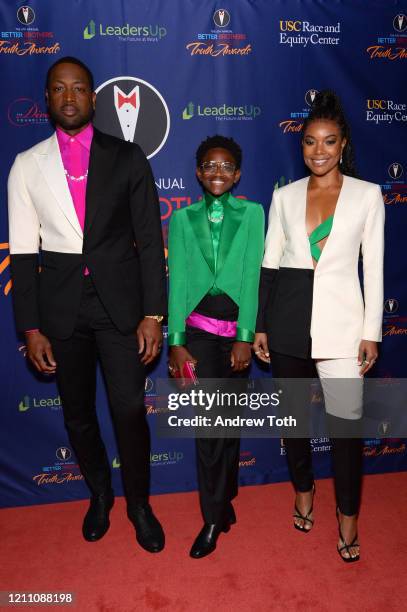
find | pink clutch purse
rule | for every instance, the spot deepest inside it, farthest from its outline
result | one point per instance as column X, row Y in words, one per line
column 187, row 377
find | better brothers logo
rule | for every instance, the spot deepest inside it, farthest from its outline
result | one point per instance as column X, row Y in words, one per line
column 391, row 46
column 220, row 41
column 133, row 110
column 393, row 321
column 294, row 124
column 224, row 112
column 25, row 38
column 294, row 32
column 126, row 32
column 63, row 470
column 395, row 187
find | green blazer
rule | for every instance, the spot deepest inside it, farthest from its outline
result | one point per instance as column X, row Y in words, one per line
column 192, row 269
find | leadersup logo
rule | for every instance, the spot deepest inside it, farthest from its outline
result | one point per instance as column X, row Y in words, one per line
column 392, row 46
column 126, row 32
column 221, row 41
column 171, row 457
column 247, row 112
column 385, row 111
column 34, row 402
column 295, row 32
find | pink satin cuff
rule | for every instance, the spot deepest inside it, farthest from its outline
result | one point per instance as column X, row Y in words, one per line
column 213, row 326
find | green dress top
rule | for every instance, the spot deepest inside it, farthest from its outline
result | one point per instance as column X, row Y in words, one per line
column 319, row 233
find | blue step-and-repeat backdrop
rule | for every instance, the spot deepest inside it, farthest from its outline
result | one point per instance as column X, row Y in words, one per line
column 185, row 70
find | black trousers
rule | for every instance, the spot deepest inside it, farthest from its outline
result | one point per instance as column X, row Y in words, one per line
column 346, row 452
column 95, row 337
column 217, row 459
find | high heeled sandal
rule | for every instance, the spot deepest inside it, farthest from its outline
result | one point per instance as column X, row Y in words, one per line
column 304, row 517
column 344, row 546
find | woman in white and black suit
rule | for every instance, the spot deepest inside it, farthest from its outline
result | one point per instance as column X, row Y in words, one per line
column 313, row 319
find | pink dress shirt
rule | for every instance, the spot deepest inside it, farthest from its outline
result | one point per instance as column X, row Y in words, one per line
column 75, row 151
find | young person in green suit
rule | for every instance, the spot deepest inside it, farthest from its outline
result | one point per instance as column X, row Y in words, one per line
column 215, row 249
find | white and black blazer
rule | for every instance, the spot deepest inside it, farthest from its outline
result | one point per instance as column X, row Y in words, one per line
column 121, row 244
column 296, row 303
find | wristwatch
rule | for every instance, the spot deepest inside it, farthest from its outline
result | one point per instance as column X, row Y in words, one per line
column 157, row 318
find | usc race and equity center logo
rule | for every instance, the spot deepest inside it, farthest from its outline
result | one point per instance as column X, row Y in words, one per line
column 134, row 110
column 392, row 45
column 381, row 111
column 300, row 33
column 221, row 41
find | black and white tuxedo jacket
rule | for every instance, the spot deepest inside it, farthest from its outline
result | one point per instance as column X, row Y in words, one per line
column 326, row 305
column 121, row 244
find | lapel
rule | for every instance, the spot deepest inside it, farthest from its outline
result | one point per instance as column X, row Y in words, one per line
column 50, row 163
column 199, row 222
column 344, row 195
column 99, row 175
column 234, row 211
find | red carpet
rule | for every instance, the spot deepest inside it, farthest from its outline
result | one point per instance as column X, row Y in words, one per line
column 261, row 564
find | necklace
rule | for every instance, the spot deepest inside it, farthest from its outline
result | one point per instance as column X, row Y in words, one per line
column 76, row 178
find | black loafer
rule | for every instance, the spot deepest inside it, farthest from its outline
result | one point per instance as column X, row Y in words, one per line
column 205, row 542
column 149, row 533
column 96, row 521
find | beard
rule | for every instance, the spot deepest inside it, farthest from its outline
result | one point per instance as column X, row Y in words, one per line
column 77, row 121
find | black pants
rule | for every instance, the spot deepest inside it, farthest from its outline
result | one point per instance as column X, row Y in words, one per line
column 96, row 337
column 346, row 452
column 217, row 459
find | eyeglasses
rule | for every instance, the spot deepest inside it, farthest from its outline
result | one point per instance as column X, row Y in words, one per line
column 210, row 167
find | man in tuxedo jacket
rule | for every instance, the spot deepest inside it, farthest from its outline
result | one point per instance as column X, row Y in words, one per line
column 88, row 271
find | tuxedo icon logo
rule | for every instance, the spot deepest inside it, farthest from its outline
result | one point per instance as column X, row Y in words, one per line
column 395, row 170
column 400, row 22
column 391, row 306
column 310, row 96
column 25, row 15
column 63, row 453
column 133, row 110
column 221, row 18
column 127, row 109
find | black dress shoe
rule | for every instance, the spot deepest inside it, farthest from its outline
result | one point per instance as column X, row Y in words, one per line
column 149, row 533
column 96, row 521
column 205, row 543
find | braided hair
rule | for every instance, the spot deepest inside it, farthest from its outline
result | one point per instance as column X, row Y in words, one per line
column 327, row 106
